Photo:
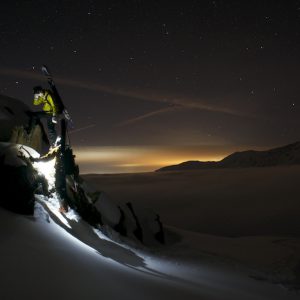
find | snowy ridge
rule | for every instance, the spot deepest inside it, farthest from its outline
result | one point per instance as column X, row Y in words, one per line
column 286, row 155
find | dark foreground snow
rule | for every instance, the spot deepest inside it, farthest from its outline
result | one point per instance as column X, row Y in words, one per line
column 41, row 258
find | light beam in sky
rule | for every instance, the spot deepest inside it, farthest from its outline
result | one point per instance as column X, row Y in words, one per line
column 150, row 114
column 82, row 128
column 146, row 95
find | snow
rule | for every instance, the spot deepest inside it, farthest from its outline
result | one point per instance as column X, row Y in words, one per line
column 41, row 257
column 10, row 153
column 47, row 169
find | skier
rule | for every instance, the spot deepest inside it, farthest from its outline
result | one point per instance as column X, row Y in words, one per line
column 50, row 112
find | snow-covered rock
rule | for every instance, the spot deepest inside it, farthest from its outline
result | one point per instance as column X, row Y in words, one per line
column 130, row 221
column 17, row 178
column 13, row 113
column 14, row 122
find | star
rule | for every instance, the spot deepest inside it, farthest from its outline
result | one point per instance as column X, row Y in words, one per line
column 131, row 59
column 164, row 29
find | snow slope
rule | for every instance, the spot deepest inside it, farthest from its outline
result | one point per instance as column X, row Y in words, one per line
column 41, row 257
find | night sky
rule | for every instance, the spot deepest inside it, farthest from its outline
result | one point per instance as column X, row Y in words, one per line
column 151, row 83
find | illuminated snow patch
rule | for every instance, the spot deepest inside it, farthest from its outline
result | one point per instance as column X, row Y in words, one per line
column 47, row 169
column 102, row 236
column 72, row 215
column 54, row 205
column 27, row 151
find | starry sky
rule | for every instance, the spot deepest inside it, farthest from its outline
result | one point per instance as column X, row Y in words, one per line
column 152, row 83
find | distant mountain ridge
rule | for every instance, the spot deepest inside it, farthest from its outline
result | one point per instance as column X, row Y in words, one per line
column 286, row 155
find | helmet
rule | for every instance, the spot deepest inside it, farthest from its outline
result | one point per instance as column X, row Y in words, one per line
column 38, row 89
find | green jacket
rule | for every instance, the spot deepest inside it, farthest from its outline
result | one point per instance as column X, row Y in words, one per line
column 49, row 106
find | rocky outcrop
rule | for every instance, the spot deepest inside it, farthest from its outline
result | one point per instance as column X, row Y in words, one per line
column 14, row 125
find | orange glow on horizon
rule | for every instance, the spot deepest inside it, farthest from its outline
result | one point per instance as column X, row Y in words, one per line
column 130, row 159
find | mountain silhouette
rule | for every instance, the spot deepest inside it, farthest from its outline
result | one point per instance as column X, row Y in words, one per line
column 286, row 155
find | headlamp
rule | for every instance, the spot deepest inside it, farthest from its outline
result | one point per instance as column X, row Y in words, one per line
column 37, row 95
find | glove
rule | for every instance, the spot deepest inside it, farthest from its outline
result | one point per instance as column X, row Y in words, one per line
column 54, row 119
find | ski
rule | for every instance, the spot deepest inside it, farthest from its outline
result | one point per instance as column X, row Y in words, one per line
column 56, row 97
column 61, row 157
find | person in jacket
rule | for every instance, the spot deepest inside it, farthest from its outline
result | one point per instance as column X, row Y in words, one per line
column 43, row 97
